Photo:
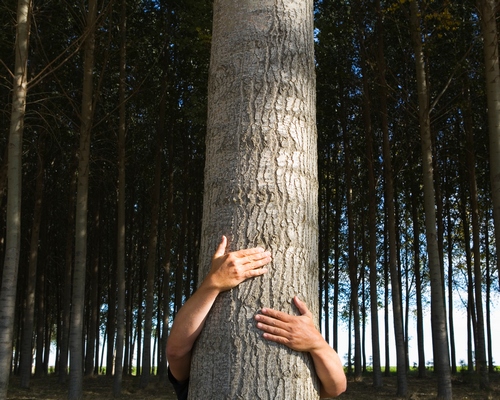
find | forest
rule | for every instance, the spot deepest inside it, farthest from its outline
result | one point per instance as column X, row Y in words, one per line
column 115, row 101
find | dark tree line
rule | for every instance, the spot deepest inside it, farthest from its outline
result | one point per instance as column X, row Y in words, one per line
column 149, row 84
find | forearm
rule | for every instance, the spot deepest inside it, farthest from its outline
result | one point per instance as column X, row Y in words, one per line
column 329, row 370
column 186, row 328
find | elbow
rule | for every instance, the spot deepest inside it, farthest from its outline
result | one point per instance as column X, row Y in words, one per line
column 335, row 390
column 174, row 352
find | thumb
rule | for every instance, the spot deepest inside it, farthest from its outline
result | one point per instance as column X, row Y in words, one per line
column 221, row 250
column 301, row 306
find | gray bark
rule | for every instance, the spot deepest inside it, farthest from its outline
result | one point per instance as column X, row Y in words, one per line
column 260, row 189
column 120, row 231
column 438, row 310
column 14, row 173
column 78, row 297
column 492, row 73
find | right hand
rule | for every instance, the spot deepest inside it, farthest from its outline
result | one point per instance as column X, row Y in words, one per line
column 229, row 270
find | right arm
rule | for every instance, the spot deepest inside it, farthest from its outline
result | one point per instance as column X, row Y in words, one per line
column 227, row 271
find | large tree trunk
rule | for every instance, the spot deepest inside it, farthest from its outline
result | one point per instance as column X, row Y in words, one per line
column 438, row 310
column 260, row 189
column 487, row 11
column 78, row 297
column 13, row 223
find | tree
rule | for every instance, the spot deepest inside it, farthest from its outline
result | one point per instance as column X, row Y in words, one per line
column 78, row 297
column 25, row 362
column 487, row 12
column 120, row 231
column 14, row 173
column 260, row 189
column 438, row 311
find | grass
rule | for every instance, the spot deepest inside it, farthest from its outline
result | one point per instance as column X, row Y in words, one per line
column 465, row 387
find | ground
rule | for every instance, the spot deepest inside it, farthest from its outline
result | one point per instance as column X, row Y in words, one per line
column 465, row 386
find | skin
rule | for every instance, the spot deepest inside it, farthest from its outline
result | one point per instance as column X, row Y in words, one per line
column 297, row 332
column 227, row 271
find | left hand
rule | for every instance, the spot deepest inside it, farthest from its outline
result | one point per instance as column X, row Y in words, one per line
column 297, row 332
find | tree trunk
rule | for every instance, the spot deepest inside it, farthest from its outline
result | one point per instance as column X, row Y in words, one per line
column 68, row 267
column 29, row 305
column 451, row 324
column 120, row 231
column 418, row 280
column 372, row 210
column 260, row 189
column 480, row 351
column 487, row 12
column 13, row 223
column 78, row 297
column 395, row 279
column 151, row 257
column 93, row 301
column 438, row 311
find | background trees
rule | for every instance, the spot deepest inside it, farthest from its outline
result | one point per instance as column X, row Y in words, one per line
column 163, row 89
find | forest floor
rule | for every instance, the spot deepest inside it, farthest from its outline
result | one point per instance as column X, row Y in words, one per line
column 465, row 386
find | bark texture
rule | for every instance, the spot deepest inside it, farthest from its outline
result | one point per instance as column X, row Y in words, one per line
column 14, row 178
column 260, row 190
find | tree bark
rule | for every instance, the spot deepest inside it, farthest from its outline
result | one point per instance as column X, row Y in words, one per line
column 120, row 229
column 480, row 350
column 438, row 311
column 14, row 174
column 487, row 12
column 78, row 297
column 26, row 359
column 260, row 189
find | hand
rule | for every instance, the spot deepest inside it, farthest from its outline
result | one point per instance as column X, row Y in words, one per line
column 297, row 332
column 229, row 270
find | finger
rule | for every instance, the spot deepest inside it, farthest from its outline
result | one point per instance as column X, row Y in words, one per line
column 256, row 264
column 276, row 314
column 256, row 272
column 301, row 306
column 276, row 338
column 250, row 254
column 270, row 321
column 221, row 249
column 272, row 326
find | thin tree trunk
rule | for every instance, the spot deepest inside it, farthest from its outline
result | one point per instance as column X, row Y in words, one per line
column 418, row 281
column 68, row 268
column 372, row 215
column 29, row 305
column 450, row 290
column 120, row 231
column 41, row 311
column 78, row 297
column 93, row 306
column 480, row 352
column 438, row 311
column 151, row 257
column 13, row 223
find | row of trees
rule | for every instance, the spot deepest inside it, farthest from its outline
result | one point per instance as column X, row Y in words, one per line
column 112, row 154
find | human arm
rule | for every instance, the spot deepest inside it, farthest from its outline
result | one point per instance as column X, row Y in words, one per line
column 299, row 333
column 227, row 271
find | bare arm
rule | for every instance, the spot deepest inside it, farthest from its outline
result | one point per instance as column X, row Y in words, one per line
column 299, row 333
column 227, row 271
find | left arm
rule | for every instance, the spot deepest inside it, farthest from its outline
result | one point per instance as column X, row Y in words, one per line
column 299, row 333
